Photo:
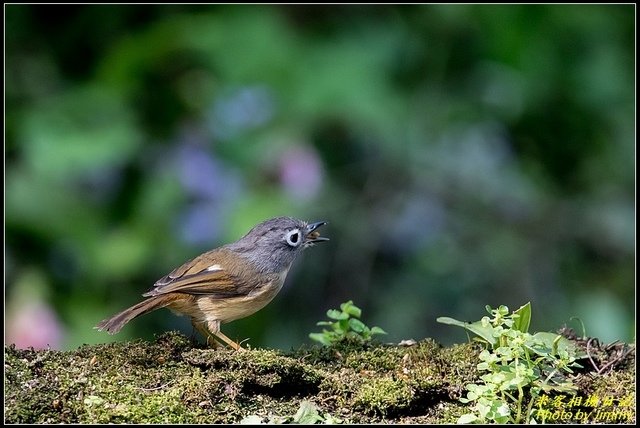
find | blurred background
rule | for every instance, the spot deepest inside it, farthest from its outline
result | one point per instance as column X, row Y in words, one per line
column 463, row 155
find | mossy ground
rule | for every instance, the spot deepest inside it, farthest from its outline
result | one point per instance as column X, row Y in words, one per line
column 173, row 380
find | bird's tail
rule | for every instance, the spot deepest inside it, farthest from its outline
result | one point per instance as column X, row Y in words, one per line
column 115, row 323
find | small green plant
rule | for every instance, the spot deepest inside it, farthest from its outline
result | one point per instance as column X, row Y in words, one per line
column 514, row 362
column 345, row 326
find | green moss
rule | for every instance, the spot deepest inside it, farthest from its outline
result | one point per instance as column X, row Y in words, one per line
column 384, row 396
column 171, row 380
column 614, row 384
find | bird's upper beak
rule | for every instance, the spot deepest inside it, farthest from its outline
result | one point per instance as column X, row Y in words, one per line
column 312, row 236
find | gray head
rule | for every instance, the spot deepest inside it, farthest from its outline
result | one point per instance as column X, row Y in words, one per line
column 274, row 244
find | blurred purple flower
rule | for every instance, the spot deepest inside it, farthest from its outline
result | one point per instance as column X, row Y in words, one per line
column 204, row 176
column 209, row 185
column 242, row 109
column 34, row 325
column 200, row 223
column 301, row 172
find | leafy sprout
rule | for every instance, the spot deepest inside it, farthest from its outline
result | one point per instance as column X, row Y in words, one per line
column 345, row 326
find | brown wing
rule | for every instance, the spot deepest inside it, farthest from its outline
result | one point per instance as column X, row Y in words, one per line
column 208, row 274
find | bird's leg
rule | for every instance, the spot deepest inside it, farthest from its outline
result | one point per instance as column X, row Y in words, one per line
column 209, row 338
column 214, row 328
column 229, row 342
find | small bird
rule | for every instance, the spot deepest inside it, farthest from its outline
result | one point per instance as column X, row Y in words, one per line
column 229, row 282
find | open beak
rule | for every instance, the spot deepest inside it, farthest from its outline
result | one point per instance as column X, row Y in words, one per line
column 312, row 235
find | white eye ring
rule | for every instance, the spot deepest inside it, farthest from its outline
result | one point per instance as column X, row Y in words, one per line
column 293, row 237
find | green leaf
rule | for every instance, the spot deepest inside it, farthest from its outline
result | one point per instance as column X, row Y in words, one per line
column 351, row 309
column 469, row 418
column 377, row 330
column 307, row 413
column 563, row 344
column 335, row 314
column 486, row 332
column 322, row 338
column 502, row 414
column 357, row 325
column 522, row 322
column 251, row 420
column 503, row 310
column 331, row 420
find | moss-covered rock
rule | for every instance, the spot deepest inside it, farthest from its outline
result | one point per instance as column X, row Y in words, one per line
column 173, row 380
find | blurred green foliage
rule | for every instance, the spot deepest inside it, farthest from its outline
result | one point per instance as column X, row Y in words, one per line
column 463, row 155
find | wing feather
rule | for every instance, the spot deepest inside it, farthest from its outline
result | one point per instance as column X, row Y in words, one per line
column 194, row 277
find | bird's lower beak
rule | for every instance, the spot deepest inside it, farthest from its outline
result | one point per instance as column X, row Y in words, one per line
column 312, row 235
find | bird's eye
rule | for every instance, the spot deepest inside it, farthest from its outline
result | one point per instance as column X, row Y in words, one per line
column 293, row 238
